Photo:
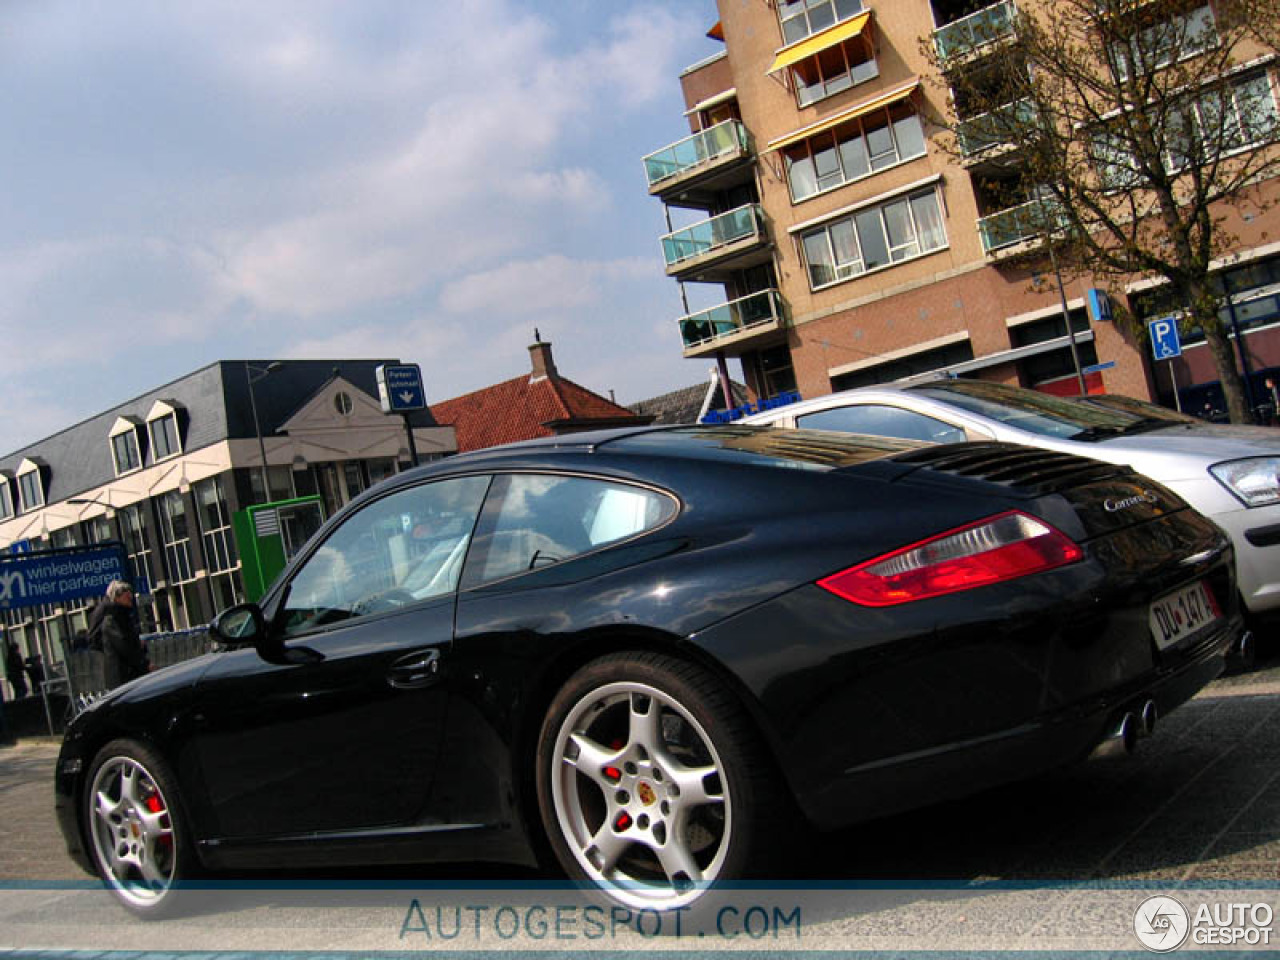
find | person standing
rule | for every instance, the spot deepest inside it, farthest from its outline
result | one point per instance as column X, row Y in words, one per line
column 123, row 656
column 13, row 668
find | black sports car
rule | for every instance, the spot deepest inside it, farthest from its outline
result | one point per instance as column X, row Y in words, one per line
column 653, row 651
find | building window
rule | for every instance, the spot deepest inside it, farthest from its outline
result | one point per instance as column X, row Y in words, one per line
column 175, row 534
column 380, row 469
column 31, row 490
column 136, row 529
column 1171, row 38
column 874, row 237
column 803, row 18
column 854, row 150
column 342, row 403
column 219, row 544
column 164, row 436
column 125, row 452
column 215, row 526
column 832, row 70
column 1208, row 128
column 6, row 499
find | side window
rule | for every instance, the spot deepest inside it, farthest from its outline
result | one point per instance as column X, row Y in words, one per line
column 401, row 549
column 540, row 520
column 882, row 421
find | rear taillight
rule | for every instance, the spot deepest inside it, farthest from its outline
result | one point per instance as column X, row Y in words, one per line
column 1003, row 547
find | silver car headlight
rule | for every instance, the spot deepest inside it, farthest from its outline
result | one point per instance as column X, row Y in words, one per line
column 1254, row 482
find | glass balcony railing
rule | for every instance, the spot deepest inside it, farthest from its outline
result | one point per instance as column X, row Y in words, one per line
column 740, row 224
column 976, row 30
column 729, row 318
column 992, row 129
column 1016, row 224
column 727, row 138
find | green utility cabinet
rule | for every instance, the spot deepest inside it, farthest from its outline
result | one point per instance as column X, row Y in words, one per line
column 269, row 534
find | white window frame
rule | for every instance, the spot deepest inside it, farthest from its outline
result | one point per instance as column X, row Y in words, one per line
column 802, row 12
column 7, row 506
column 161, row 411
column 123, row 428
column 26, row 470
column 854, row 74
column 177, row 550
column 1198, row 29
column 885, row 113
column 856, row 266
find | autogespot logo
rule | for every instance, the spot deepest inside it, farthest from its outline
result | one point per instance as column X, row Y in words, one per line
column 1161, row 923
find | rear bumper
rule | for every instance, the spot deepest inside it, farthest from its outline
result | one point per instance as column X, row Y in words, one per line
column 1054, row 740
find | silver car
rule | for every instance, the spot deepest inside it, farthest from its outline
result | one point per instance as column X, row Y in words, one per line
column 1230, row 474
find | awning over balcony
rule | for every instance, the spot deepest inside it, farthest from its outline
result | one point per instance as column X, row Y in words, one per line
column 878, row 102
column 808, row 47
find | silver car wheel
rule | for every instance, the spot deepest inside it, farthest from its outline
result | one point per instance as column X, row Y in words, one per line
column 641, row 796
column 132, row 832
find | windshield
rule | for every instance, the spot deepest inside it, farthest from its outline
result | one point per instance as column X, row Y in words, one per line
column 1035, row 412
column 1140, row 408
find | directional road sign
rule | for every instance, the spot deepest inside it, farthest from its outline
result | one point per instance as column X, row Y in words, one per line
column 400, row 388
column 1165, row 344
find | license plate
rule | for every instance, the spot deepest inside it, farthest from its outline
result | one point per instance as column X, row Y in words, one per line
column 1183, row 613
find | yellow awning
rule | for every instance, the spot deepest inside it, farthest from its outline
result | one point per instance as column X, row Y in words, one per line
column 829, row 37
column 900, row 92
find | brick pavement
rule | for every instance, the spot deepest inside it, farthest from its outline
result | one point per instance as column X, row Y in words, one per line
column 30, row 843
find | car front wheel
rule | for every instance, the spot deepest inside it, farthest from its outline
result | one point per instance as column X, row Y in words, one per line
column 651, row 783
column 135, row 830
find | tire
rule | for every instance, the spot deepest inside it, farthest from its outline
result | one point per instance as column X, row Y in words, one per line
column 655, row 808
column 138, row 836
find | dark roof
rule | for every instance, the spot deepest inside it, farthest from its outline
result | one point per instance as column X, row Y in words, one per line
column 684, row 405
column 216, row 403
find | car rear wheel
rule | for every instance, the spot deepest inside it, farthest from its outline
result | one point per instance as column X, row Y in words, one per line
column 651, row 783
column 136, row 832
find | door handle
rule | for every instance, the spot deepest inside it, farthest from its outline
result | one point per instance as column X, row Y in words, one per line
column 416, row 670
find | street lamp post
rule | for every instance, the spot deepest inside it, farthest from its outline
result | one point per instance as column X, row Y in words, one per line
column 262, row 374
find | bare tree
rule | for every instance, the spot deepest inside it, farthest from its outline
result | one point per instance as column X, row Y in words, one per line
column 1140, row 127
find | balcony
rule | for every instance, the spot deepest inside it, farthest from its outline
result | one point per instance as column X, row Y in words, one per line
column 711, row 250
column 1014, row 229
column 732, row 324
column 989, row 135
column 967, row 37
column 692, row 171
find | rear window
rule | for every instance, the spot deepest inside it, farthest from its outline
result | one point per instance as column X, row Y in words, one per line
column 766, row 446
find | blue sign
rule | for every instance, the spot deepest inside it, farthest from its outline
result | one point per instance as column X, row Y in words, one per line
column 400, row 388
column 54, row 577
column 1099, row 367
column 1100, row 305
column 1165, row 344
column 20, row 546
column 747, row 409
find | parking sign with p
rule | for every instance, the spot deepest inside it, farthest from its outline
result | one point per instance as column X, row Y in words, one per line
column 1165, row 344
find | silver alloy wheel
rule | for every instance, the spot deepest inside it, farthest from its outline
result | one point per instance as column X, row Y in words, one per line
column 641, row 796
column 132, row 830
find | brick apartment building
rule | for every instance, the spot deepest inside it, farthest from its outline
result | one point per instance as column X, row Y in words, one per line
column 852, row 249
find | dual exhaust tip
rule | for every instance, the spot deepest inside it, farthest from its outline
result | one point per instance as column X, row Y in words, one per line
column 1132, row 726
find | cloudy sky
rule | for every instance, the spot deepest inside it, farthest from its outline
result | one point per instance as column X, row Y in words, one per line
column 189, row 182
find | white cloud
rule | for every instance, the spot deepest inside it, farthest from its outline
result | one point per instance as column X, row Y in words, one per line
column 538, row 286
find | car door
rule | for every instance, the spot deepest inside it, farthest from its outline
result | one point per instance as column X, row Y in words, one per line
column 343, row 731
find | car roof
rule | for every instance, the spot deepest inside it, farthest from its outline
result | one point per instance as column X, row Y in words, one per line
column 719, row 442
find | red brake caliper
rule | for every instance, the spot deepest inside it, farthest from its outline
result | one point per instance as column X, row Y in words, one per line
column 155, row 806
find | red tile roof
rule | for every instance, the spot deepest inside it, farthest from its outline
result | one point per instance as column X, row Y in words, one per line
column 521, row 409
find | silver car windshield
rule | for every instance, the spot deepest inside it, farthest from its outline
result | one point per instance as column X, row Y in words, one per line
column 1035, row 412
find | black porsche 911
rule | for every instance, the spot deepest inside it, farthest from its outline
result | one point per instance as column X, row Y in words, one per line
column 651, row 651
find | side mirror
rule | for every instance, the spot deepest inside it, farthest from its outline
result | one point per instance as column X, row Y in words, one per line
column 244, row 625
column 240, row 625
